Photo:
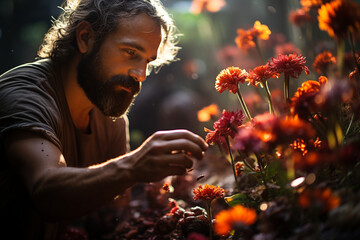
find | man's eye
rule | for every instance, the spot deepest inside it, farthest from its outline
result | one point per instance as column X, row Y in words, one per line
column 130, row 52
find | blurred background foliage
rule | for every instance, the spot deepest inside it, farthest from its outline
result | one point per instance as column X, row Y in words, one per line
column 171, row 98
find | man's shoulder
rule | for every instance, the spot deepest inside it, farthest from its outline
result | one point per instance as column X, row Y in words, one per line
column 36, row 71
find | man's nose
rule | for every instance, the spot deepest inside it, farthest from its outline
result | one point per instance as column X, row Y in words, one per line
column 139, row 74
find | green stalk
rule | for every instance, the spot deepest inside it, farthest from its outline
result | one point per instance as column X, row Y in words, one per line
column 353, row 51
column 349, row 127
column 259, row 51
column 232, row 163
column 261, row 166
column 340, row 56
column 286, row 87
column 210, row 217
column 243, row 105
column 268, row 94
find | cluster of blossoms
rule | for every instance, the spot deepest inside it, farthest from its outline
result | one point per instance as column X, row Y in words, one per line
column 313, row 127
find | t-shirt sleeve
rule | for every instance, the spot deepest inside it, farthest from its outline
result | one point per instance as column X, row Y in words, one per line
column 28, row 106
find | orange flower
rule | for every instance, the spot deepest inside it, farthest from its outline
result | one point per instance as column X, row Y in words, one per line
column 339, row 17
column 207, row 112
column 208, row 192
column 323, row 61
column 307, row 4
column 299, row 144
column 260, row 31
column 239, row 167
column 198, row 6
column 229, row 78
column 227, row 220
column 244, row 40
column 166, row 187
column 299, row 17
column 260, row 74
column 303, row 102
column 319, row 198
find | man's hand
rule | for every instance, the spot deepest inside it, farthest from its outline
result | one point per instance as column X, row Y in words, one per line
column 163, row 154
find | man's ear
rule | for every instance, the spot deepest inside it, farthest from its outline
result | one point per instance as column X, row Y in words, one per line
column 85, row 37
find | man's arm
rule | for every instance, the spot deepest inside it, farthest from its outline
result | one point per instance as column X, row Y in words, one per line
column 60, row 192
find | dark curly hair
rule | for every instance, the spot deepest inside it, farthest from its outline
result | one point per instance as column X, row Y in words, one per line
column 59, row 42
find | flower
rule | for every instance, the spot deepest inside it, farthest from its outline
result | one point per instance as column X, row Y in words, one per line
column 299, row 17
column 166, row 187
column 260, row 74
column 260, row 31
column 239, row 168
column 229, row 78
column 198, row 6
column 248, row 140
column 291, row 65
column 339, row 17
column 307, row 4
column 244, row 40
column 208, row 192
column 323, row 61
column 303, row 102
column 319, row 198
column 227, row 220
column 226, row 126
column 286, row 48
column 207, row 112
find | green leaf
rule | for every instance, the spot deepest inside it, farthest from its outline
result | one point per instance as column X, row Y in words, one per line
column 239, row 198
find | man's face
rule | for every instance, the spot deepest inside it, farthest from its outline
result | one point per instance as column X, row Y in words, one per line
column 112, row 72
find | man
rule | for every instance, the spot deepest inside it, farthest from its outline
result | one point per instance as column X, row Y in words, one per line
column 62, row 153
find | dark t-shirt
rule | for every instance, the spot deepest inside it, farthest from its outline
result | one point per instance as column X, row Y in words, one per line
column 32, row 98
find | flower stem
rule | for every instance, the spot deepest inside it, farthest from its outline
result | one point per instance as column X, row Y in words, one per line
column 268, row 94
column 353, row 51
column 261, row 166
column 243, row 104
column 208, row 209
column 232, row 164
column 340, row 56
column 259, row 51
column 286, row 87
column 349, row 127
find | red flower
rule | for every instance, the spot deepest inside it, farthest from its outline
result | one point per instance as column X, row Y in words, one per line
column 323, row 61
column 208, row 192
column 260, row 74
column 226, row 126
column 291, row 65
column 300, row 17
column 229, row 78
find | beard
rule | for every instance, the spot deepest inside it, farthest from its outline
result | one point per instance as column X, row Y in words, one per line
column 105, row 94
